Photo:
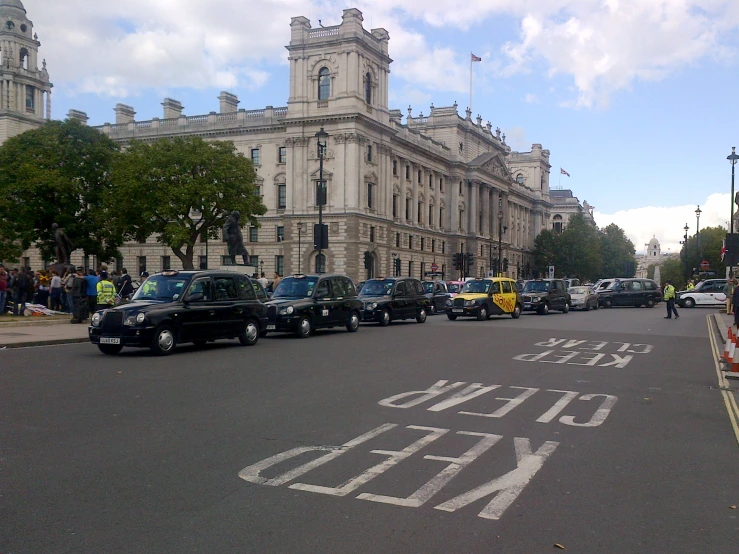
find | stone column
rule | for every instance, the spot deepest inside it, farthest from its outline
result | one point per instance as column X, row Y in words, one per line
column 485, row 211
column 474, row 208
column 414, row 197
column 453, row 207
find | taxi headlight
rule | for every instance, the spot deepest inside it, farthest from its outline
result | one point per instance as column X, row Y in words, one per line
column 287, row 311
column 372, row 305
column 132, row 320
column 469, row 302
column 448, row 302
column 140, row 318
column 96, row 319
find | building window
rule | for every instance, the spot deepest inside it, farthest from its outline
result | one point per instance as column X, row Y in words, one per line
column 420, row 210
column 254, row 260
column 423, row 244
column 280, row 265
column 431, row 215
column 255, row 156
column 410, row 269
column 433, row 245
column 395, row 205
column 460, row 189
column 321, row 263
column 282, row 153
column 30, row 99
column 372, row 234
column 419, row 176
column 203, row 262
column 443, row 247
column 253, row 234
column 397, row 240
column 166, row 262
column 258, row 190
column 368, row 88
column 369, row 152
column 441, row 217
column 461, row 219
column 281, row 196
column 441, row 184
column 395, row 167
column 408, row 172
column 557, row 224
column 324, row 83
column 423, row 270
column 280, row 233
column 142, row 264
column 519, row 179
column 226, row 260
column 407, row 209
column 431, row 181
column 371, row 196
column 410, row 242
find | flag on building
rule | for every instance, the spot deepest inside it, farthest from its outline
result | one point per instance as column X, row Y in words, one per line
column 475, row 58
column 563, row 172
column 723, row 249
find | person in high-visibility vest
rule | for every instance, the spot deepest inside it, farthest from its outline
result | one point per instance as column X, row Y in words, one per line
column 669, row 296
column 148, row 288
column 106, row 292
column 690, row 286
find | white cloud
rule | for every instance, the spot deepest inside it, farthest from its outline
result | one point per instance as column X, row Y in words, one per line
column 516, row 139
column 531, row 98
column 667, row 224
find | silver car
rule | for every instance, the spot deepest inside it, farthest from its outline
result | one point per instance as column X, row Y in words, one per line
column 583, row 298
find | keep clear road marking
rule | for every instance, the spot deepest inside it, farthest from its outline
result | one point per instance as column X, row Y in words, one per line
column 503, row 490
column 729, row 400
column 586, row 353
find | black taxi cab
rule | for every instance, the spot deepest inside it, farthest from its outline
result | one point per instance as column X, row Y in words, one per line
column 484, row 297
column 303, row 303
column 173, row 307
column 392, row 299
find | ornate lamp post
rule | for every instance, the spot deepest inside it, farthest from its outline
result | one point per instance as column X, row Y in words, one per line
column 697, row 234
column 733, row 157
column 322, row 236
column 300, row 249
column 684, row 242
column 501, row 229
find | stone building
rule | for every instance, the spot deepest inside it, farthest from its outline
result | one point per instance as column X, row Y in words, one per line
column 416, row 191
column 564, row 205
column 25, row 90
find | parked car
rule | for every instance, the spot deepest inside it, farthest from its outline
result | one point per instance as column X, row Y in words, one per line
column 454, row 287
column 395, row 298
column 572, row 283
column 543, row 295
column 303, row 303
column 630, row 292
column 173, row 307
column 583, row 297
column 437, row 295
column 483, row 297
column 706, row 293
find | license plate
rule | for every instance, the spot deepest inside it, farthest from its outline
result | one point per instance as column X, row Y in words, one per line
column 110, row 340
column 271, row 327
column 458, row 311
column 527, row 305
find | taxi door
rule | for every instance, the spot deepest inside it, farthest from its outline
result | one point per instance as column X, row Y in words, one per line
column 325, row 313
column 199, row 315
column 401, row 299
column 506, row 300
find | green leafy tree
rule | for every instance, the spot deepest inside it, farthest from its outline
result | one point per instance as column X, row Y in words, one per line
column 183, row 189
column 59, row 173
column 617, row 252
column 546, row 250
column 672, row 270
column 580, row 254
column 708, row 249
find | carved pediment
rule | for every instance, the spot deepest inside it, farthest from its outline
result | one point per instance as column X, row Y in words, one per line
column 496, row 167
column 327, row 175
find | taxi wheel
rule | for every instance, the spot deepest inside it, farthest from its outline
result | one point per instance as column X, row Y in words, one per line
column 353, row 324
column 543, row 309
column 607, row 303
column 164, row 342
column 305, row 328
column 432, row 309
column 452, row 317
column 688, row 303
column 566, row 309
column 384, row 318
column 516, row 312
column 421, row 317
column 250, row 335
column 482, row 314
column 110, row 349
column 649, row 303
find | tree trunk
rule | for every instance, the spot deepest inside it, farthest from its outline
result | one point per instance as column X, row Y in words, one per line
column 185, row 257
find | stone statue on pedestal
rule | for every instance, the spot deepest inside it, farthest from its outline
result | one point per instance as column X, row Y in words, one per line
column 64, row 246
column 234, row 238
column 736, row 213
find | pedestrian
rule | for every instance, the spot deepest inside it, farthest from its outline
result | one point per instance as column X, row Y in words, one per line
column 67, row 281
column 263, row 281
column 669, row 296
column 3, row 289
column 43, row 288
column 56, row 292
column 92, row 291
column 125, row 286
column 690, row 286
column 105, row 292
column 276, row 281
column 735, row 303
column 729, row 293
column 80, row 306
column 20, row 292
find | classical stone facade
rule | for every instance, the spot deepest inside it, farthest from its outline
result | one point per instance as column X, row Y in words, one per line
column 564, row 205
column 415, row 191
column 25, row 90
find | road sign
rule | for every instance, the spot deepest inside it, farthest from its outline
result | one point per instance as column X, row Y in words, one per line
column 491, row 274
column 551, row 272
column 705, row 264
column 434, row 267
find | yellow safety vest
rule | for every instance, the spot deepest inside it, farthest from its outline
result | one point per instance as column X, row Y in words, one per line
column 106, row 292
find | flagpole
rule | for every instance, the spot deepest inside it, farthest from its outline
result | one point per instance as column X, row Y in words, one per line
column 470, row 82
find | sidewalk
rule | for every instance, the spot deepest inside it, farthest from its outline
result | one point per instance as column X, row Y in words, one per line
column 16, row 332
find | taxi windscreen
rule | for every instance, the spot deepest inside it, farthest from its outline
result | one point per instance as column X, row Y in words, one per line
column 162, row 287
column 377, row 287
column 476, row 287
column 536, row 286
column 295, row 287
column 428, row 287
column 579, row 290
column 453, row 287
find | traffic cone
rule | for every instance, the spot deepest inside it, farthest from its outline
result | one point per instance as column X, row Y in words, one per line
column 727, row 345
column 733, row 372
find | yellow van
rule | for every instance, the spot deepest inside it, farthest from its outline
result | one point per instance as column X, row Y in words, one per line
column 484, row 297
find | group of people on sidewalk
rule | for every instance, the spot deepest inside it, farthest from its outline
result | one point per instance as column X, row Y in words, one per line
column 96, row 291
column 22, row 286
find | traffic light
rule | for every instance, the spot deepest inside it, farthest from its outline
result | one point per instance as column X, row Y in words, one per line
column 457, row 260
column 470, row 259
column 367, row 260
column 505, row 264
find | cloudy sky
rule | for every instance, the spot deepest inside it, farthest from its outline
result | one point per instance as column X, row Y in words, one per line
column 636, row 99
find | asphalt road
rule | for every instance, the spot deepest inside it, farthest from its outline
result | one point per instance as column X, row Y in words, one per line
column 600, row 432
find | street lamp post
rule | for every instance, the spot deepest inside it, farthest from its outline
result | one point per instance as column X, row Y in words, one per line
column 697, row 234
column 685, row 245
column 322, row 137
column 733, row 157
column 501, row 229
column 300, row 249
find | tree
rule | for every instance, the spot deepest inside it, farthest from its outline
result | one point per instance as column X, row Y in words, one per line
column 672, row 270
column 708, row 250
column 546, row 250
column 617, row 252
column 59, row 173
column 183, row 189
column 580, row 250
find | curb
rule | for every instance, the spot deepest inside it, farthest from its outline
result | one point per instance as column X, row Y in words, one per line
column 43, row 342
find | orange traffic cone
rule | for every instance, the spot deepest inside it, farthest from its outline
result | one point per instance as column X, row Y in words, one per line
column 733, row 372
column 727, row 345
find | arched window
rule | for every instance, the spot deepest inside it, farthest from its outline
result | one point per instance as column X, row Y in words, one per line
column 320, row 263
column 24, row 58
column 520, row 179
column 368, row 88
column 557, row 225
column 324, row 84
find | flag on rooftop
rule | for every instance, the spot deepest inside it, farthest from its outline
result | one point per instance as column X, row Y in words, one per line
column 475, row 58
column 563, row 172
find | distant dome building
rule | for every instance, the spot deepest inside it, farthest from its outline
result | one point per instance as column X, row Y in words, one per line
column 654, row 250
column 653, row 256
